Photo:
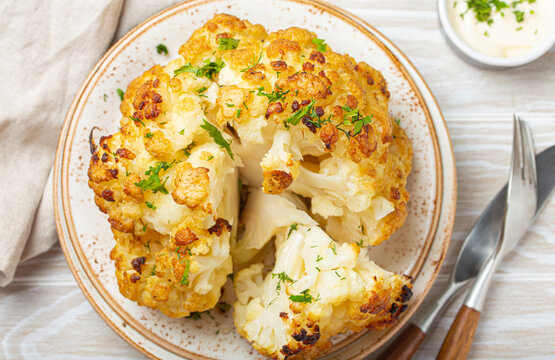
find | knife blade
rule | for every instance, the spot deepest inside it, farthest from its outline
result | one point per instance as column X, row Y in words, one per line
column 483, row 235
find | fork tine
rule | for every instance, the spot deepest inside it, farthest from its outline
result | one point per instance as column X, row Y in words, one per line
column 529, row 158
column 517, row 168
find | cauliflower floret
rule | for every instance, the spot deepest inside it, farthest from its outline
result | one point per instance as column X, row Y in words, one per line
column 280, row 167
column 318, row 288
column 337, row 186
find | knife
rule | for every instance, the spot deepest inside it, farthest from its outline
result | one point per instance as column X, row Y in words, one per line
column 482, row 236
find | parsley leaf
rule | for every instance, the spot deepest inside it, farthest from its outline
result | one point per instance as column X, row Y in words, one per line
column 153, row 182
column 187, row 150
column 254, row 62
column 282, row 277
column 150, row 205
column 185, row 277
column 162, row 49
column 274, row 96
column 223, row 306
column 299, row 114
column 217, row 136
column 292, row 228
column 137, row 120
column 149, row 135
column 303, row 297
column 320, row 44
column 201, row 90
column 197, row 315
column 227, row 44
column 120, row 93
column 519, row 15
column 353, row 117
column 208, row 70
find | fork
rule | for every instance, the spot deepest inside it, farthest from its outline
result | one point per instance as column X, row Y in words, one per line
column 519, row 212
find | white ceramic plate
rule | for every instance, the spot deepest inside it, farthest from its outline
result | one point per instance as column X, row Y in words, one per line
column 416, row 249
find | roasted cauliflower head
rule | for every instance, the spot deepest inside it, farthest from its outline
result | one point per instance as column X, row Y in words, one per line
column 317, row 288
column 308, row 131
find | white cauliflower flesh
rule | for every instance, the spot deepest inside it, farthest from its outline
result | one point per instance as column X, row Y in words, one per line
column 318, row 288
column 264, row 217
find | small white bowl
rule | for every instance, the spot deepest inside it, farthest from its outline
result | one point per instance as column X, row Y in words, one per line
column 477, row 58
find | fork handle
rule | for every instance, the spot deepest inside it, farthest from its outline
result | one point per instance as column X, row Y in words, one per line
column 459, row 338
column 406, row 344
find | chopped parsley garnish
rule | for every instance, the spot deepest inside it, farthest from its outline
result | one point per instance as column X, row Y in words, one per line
column 201, row 90
column 105, row 97
column 360, row 243
column 209, row 69
column 197, row 315
column 120, row 93
column 274, row 96
column 185, row 277
column 189, row 147
column 149, row 135
column 210, row 157
column 299, row 114
column 223, row 306
column 353, row 117
column 161, row 49
column 398, row 121
column 304, row 297
column 333, row 248
column 483, row 8
column 150, row 205
column 319, row 258
column 217, row 136
column 282, row 277
column 518, row 28
column 147, row 245
column 362, row 230
column 238, row 113
column 292, row 228
column 254, row 62
column 317, row 268
column 137, row 120
column 519, row 15
column 153, row 182
column 227, row 44
column 182, row 131
column 320, row 44
column 153, row 271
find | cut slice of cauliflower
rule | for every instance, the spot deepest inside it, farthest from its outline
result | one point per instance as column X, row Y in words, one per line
column 318, row 288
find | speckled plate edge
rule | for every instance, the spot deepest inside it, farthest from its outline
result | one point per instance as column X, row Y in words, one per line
column 445, row 201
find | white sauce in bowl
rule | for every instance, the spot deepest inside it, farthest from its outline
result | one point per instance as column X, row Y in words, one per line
column 504, row 37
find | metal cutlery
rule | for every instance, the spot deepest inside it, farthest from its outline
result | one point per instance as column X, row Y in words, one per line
column 477, row 247
column 519, row 213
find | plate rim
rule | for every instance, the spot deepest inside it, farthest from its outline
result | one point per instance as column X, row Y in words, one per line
column 439, row 157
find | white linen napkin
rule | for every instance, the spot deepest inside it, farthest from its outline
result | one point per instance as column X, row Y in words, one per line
column 48, row 48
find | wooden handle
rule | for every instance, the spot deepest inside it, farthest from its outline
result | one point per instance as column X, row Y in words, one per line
column 404, row 347
column 458, row 341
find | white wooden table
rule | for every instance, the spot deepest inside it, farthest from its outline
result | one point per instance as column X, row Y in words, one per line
column 44, row 315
